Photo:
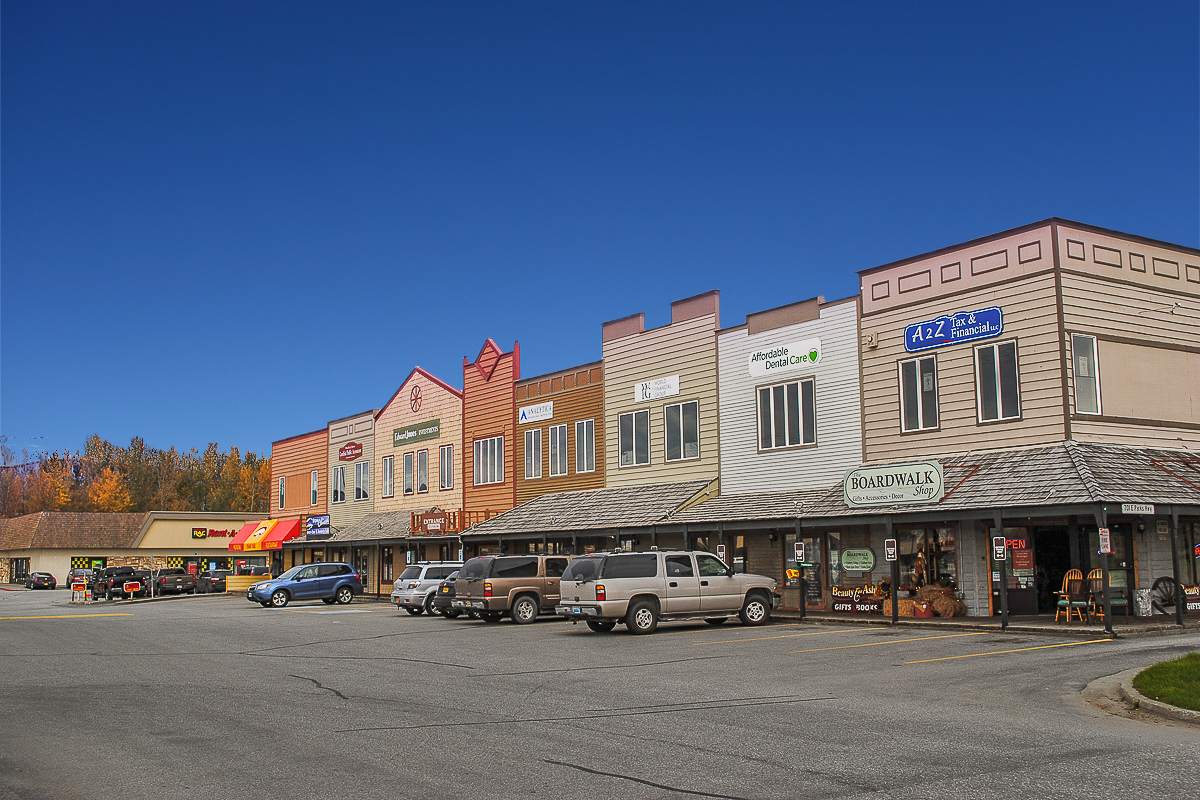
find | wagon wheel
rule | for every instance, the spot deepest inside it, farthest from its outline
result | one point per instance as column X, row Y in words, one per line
column 1163, row 594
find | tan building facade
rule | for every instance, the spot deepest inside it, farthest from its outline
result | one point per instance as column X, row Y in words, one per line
column 660, row 396
column 560, row 432
column 351, row 455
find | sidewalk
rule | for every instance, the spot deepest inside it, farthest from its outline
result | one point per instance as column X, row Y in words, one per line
column 1041, row 624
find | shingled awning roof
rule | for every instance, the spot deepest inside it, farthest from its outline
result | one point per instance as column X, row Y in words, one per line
column 373, row 527
column 1064, row 474
column 71, row 529
column 595, row 509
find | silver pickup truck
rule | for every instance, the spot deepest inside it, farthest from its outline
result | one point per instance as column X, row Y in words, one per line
column 639, row 589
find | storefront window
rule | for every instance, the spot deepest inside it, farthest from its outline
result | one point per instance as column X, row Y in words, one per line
column 928, row 556
column 1189, row 565
column 835, row 558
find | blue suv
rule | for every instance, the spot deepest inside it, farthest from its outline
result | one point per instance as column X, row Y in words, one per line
column 330, row 583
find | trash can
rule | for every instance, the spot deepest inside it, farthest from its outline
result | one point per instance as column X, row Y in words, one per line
column 1141, row 603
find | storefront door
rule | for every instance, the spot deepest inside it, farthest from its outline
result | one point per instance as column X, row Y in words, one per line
column 1120, row 565
column 1052, row 559
column 812, row 567
column 1020, row 573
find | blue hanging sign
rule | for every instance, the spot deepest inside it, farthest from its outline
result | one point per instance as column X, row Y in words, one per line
column 963, row 326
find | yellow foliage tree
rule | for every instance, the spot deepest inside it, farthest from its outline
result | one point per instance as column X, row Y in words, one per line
column 49, row 489
column 108, row 492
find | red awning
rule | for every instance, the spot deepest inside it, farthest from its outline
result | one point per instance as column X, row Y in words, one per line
column 284, row 530
column 238, row 542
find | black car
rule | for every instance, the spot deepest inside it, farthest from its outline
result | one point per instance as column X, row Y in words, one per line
column 443, row 598
column 212, row 580
column 40, row 580
column 110, row 583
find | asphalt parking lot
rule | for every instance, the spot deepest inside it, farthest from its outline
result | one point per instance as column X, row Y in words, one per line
column 218, row 697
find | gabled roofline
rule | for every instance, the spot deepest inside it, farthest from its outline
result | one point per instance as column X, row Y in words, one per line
column 372, row 412
column 324, row 430
column 417, row 370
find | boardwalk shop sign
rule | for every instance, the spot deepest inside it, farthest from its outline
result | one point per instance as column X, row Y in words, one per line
column 535, row 413
column 420, row 432
column 964, row 326
column 893, row 484
column 785, row 358
column 350, row 451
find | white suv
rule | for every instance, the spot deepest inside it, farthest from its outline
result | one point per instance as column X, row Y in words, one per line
column 639, row 589
column 416, row 587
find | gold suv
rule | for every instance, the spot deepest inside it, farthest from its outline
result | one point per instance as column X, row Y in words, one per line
column 520, row 586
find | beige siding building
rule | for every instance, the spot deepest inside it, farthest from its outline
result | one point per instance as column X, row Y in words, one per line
column 351, row 455
column 660, row 396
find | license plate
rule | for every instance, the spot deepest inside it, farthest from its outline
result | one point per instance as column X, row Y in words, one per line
column 574, row 609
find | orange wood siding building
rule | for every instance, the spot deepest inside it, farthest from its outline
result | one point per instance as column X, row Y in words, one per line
column 562, row 415
column 300, row 462
column 418, row 443
column 489, row 417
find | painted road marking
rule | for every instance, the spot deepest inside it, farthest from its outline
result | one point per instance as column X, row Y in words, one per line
column 1018, row 650
column 71, row 616
column 781, row 636
column 893, row 641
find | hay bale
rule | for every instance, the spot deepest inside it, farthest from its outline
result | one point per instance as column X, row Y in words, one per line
column 946, row 606
column 927, row 593
column 907, row 607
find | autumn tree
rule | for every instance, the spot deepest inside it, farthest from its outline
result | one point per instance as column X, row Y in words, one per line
column 108, row 492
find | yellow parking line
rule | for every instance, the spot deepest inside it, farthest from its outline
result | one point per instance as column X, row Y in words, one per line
column 782, row 636
column 1018, row 650
column 892, row 641
column 71, row 616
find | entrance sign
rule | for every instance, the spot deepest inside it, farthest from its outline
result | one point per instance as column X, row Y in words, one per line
column 858, row 559
column 889, row 550
column 894, row 484
column 962, row 326
column 1137, row 508
column 799, row 552
column 785, row 358
column 999, row 549
column 1105, row 541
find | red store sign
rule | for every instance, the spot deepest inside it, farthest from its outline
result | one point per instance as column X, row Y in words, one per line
column 349, row 451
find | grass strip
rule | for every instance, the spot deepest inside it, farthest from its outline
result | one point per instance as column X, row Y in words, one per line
column 1176, row 682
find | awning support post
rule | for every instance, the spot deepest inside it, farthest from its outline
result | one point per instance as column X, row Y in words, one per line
column 1180, row 601
column 1102, row 522
column 800, row 569
column 891, row 534
column 1003, row 567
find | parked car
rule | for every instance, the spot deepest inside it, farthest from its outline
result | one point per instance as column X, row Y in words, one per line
column 416, row 587
column 212, row 580
column 332, row 583
column 639, row 589
column 520, row 586
column 110, row 583
column 79, row 574
column 253, row 569
column 443, row 597
column 174, row 580
column 40, row 580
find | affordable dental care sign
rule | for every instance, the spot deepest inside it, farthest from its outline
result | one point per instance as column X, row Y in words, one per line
column 785, row 358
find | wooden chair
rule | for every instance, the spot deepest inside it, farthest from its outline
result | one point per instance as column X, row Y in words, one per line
column 1072, row 596
column 1095, row 581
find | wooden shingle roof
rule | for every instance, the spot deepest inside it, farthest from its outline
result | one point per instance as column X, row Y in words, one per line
column 71, row 529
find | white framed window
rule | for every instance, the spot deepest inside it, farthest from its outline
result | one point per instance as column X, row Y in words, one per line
column 533, row 453
column 787, row 415
column 633, row 435
column 1086, row 363
column 312, row 493
column 585, row 446
column 918, row 394
column 683, row 430
column 387, row 476
column 422, row 470
column 409, row 475
column 489, row 460
column 997, row 392
column 446, row 466
column 558, row 449
column 338, row 484
column 362, row 480
column 282, row 484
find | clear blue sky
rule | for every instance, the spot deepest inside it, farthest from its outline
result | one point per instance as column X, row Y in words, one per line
column 233, row 222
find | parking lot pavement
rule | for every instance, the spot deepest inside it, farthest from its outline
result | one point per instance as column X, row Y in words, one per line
column 224, row 697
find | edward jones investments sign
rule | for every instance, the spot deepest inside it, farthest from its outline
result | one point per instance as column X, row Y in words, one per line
column 894, row 484
column 422, row 431
column 785, row 358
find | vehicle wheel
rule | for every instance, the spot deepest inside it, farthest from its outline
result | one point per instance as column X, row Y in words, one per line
column 641, row 617
column 490, row 616
column 429, row 609
column 414, row 611
column 755, row 611
column 601, row 625
column 524, row 610
column 716, row 620
column 192, row 590
column 328, row 600
column 451, row 613
column 280, row 598
column 264, row 603
column 344, row 595
column 472, row 614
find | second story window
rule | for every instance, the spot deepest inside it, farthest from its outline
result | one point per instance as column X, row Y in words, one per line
column 312, row 493
column 1087, row 374
column 489, row 460
column 787, row 415
column 996, row 390
column 408, row 473
column 422, row 470
column 585, row 446
column 558, row 449
column 338, row 484
column 362, row 480
column 683, row 431
column 282, row 483
column 387, row 477
column 533, row 453
column 633, row 433
column 446, row 465
column 918, row 394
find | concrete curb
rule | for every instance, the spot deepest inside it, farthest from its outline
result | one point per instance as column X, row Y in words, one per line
column 1136, row 631
column 1144, row 703
column 141, row 600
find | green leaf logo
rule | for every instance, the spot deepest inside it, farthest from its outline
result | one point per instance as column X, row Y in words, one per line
column 812, row 356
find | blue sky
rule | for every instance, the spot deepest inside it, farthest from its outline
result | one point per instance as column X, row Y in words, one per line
column 233, row 222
